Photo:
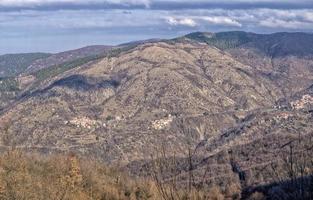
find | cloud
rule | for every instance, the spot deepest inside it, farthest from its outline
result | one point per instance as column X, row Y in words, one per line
column 308, row 16
column 83, row 19
column 221, row 20
column 289, row 24
column 254, row 19
column 202, row 19
column 9, row 5
column 192, row 21
column 286, row 19
column 183, row 22
column 50, row 21
column 47, row 2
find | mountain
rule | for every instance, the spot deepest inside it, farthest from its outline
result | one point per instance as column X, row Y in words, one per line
column 135, row 43
column 282, row 57
column 273, row 45
column 14, row 64
column 68, row 56
column 22, row 72
column 232, row 99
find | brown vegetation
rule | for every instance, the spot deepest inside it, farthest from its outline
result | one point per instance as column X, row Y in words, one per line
column 32, row 176
column 66, row 177
column 25, row 176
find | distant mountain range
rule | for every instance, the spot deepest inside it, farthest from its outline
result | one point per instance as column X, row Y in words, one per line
column 273, row 45
column 15, row 64
column 234, row 98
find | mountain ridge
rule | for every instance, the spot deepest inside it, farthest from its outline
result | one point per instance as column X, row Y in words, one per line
column 227, row 105
column 262, row 42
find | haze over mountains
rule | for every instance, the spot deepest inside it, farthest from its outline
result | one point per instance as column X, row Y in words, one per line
column 231, row 97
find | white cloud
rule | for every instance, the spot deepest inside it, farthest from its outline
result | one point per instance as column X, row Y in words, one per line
column 287, row 19
column 289, row 24
column 258, row 20
column 192, row 20
column 221, row 20
column 308, row 16
column 181, row 21
column 255, row 19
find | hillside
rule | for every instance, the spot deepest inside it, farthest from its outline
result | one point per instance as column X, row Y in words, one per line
column 285, row 58
column 68, row 56
column 23, row 72
column 224, row 97
column 273, row 45
column 14, row 64
column 137, row 89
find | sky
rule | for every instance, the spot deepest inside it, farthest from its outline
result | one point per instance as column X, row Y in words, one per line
column 59, row 25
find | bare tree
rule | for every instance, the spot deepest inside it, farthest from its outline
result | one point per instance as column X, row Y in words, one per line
column 294, row 172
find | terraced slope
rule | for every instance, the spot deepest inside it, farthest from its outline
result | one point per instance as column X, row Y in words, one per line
column 235, row 107
column 135, row 93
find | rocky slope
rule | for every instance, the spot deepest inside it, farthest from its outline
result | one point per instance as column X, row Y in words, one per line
column 233, row 106
column 285, row 58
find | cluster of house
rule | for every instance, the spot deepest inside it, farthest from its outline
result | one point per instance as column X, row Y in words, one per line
column 162, row 123
column 85, row 122
column 302, row 103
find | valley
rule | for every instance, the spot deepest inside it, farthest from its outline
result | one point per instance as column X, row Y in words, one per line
column 229, row 103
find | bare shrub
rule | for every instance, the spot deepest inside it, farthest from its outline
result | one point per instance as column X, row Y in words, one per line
column 62, row 177
column 257, row 196
column 294, row 173
column 174, row 179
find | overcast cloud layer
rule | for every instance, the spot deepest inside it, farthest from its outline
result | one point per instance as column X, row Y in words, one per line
column 56, row 25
